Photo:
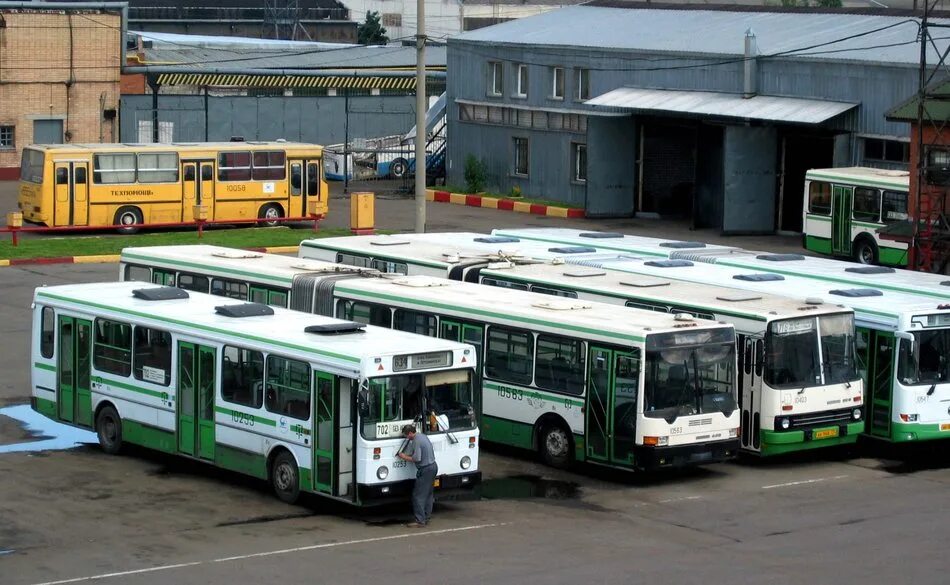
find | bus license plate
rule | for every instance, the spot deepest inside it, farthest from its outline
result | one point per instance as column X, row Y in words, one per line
column 437, row 482
column 826, row 434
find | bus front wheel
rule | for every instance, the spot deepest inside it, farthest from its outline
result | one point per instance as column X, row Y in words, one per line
column 270, row 212
column 285, row 477
column 555, row 445
column 398, row 168
column 865, row 251
column 109, row 430
column 128, row 218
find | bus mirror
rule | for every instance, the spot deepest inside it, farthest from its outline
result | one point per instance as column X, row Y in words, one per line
column 908, row 337
column 362, row 402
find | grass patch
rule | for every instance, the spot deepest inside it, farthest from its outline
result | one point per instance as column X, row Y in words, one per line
column 531, row 200
column 258, row 237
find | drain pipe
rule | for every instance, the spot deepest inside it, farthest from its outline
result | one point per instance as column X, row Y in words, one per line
column 750, row 66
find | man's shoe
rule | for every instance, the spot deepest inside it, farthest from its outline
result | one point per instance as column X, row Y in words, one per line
column 415, row 525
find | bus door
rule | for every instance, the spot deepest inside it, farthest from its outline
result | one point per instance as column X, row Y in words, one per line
column 841, row 219
column 473, row 334
column 880, row 382
column 74, row 398
column 346, row 439
column 196, row 382
column 297, row 206
column 750, row 391
column 197, row 187
column 611, row 421
column 71, row 193
column 324, row 432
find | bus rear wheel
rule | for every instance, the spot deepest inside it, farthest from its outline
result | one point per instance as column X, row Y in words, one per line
column 555, row 445
column 865, row 251
column 109, row 430
column 271, row 212
column 127, row 218
column 398, row 168
column 285, row 477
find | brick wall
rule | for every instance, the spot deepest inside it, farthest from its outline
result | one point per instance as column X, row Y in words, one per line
column 63, row 65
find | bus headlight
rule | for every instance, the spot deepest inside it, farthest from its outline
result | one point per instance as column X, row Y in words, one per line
column 785, row 423
column 466, row 462
column 733, row 433
column 856, row 413
column 382, row 472
column 656, row 441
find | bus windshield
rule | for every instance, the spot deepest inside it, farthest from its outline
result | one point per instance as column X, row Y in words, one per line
column 929, row 362
column 682, row 381
column 810, row 351
column 444, row 406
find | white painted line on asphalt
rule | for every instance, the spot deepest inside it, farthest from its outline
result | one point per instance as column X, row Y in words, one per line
column 682, row 499
column 803, row 482
column 275, row 552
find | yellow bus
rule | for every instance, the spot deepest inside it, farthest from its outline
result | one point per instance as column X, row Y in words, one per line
column 128, row 184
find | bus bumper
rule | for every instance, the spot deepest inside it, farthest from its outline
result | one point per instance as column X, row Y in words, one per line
column 447, row 486
column 777, row 442
column 685, row 455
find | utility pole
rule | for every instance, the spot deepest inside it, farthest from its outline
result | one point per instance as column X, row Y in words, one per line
column 420, row 156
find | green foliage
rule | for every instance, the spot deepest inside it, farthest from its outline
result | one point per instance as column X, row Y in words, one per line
column 515, row 192
column 371, row 32
column 475, row 174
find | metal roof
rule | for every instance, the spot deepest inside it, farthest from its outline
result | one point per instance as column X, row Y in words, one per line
column 726, row 105
column 717, row 32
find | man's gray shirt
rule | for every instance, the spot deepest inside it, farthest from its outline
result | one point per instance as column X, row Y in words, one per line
column 422, row 453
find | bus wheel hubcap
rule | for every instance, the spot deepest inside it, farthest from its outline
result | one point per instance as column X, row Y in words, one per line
column 271, row 213
column 283, row 477
column 556, row 443
column 108, row 430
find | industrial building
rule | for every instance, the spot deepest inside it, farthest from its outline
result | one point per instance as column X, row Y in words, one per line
column 59, row 75
column 710, row 113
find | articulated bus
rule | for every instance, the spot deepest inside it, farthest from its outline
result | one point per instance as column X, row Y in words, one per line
column 577, row 381
column 902, row 317
column 309, row 403
column 828, row 270
column 844, row 208
column 799, row 386
column 125, row 185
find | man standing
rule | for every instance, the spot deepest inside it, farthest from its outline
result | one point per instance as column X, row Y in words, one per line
column 426, row 472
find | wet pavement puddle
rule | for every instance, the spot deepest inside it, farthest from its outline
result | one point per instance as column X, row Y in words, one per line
column 528, row 486
column 49, row 434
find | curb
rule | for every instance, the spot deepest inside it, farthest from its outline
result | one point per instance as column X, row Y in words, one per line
column 503, row 204
column 111, row 258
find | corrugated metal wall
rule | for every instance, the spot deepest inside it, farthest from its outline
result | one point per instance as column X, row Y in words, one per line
column 307, row 119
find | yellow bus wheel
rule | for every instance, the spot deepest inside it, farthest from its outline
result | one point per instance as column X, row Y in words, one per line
column 127, row 218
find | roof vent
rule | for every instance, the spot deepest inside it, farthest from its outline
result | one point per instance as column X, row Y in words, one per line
column 857, row 292
column 759, row 277
column 244, row 310
column 497, row 240
column 312, row 266
column 573, row 250
column 682, row 245
column 165, row 293
column 388, row 241
column 336, row 328
column 780, row 257
column 738, row 297
column 814, row 301
column 582, row 273
column 682, row 317
column 561, row 305
column 421, row 282
column 644, row 282
column 870, row 270
column 945, row 283
column 668, row 263
column 236, row 254
column 601, row 235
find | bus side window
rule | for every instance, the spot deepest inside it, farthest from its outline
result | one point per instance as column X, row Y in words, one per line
column 313, row 179
column 295, row 179
column 62, row 176
column 47, row 332
column 136, row 272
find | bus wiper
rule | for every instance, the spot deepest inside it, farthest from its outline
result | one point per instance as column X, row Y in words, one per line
column 438, row 424
column 932, row 388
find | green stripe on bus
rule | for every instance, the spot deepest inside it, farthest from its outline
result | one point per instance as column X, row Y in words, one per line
column 203, row 268
column 373, row 254
column 533, row 393
column 245, row 416
column 388, row 297
column 42, row 366
column 203, row 328
column 131, row 387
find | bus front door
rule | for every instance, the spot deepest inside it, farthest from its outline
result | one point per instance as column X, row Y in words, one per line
column 197, row 188
column 841, row 220
column 71, row 193
column 611, row 421
column 324, row 430
column 74, row 398
column 196, row 382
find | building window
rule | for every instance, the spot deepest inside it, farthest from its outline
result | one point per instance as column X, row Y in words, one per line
column 392, row 19
column 6, row 137
column 583, row 84
column 522, row 89
column 579, row 154
column 496, row 83
column 893, row 151
column 557, row 83
column 521, row 156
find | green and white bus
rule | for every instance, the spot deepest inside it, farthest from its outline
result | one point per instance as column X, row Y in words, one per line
column 902, row 317
column 845, row 207
column 785, row 344
column 309, row 403
column 576, row 381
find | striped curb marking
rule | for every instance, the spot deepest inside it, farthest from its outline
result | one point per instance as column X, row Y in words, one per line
column 503, row 204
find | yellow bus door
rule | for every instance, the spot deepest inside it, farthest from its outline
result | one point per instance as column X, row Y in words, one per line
column 189, row 189
column 71, row 193
column 206, row 189
column 313, row 182
column 297, row 206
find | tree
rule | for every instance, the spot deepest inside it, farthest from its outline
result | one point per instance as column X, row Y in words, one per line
column 371, row 32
